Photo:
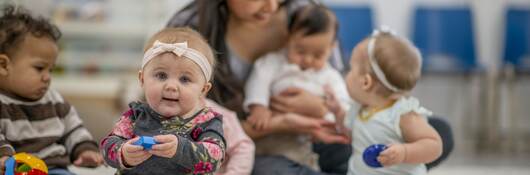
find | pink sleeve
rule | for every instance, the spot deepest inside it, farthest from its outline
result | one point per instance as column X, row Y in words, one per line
column 240, row 150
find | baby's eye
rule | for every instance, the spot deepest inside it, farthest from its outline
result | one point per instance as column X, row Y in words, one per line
column 300, row 51
column 184, row 79
column 161, row 76
column 39, row 68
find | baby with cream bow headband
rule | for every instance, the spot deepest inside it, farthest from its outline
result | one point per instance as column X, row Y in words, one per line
column 384, row 69
column 175, row 76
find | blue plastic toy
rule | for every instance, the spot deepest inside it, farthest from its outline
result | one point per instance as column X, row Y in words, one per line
column 10, row 166
column 371, row 153
column 145, row 141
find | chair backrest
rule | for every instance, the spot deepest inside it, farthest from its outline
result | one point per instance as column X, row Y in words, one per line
column 517, row 39
column 355, row 23
column 445, row 38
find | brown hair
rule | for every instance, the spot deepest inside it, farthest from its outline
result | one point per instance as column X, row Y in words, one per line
column 181, row 34
column 398, row 59
column 16, row 23
column 313, row 19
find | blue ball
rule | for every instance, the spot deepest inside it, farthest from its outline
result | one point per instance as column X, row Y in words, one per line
column 371, row 153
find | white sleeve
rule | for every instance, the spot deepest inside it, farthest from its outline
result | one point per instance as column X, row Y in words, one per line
column 257, row 88
column 339, row 88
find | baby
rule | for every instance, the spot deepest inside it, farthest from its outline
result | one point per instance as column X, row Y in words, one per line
column 384, row 69
column 175, row 77
column 302, row 64
column 34, row 118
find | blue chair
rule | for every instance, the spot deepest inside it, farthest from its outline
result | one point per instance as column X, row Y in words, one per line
column 445, row 38
column 355, row 23
column 517, row 39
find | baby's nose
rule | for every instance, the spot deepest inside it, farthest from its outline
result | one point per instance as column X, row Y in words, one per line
column 171, row 86
column 46, row 77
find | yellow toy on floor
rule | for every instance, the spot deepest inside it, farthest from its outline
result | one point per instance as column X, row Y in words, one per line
column 25, row 164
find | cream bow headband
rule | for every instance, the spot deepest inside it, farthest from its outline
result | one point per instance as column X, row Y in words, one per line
column 373, row 63
column 181, row 50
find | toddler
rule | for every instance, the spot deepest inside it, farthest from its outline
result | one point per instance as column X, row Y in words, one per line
column 34, row 118
column 175, row 76
column 384, row 69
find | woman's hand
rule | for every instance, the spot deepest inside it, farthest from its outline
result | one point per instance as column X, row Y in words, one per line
column 296, row 123
column 328, row 133
column 284, row 123
column 299, row 101
column 259, row 117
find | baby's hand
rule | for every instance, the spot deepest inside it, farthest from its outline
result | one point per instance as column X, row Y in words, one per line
column 394, row 154
column 166, row 147
column 134, row 154
column 2, row 163
column 89, row 159
column 333, row 105
column 259, row 117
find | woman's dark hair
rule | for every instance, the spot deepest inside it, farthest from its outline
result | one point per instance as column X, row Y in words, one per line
column 17, row 22
column 313, row 19
column 212, row 24
column 212, row 21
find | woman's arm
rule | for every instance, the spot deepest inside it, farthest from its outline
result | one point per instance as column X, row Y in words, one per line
column 299, row 101
column 240, row 148
column 320, row 129
column 283, row 123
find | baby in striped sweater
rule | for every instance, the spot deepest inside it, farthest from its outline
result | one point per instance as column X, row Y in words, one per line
column 34, row 118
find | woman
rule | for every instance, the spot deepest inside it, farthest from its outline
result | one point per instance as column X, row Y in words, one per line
column 242, row 31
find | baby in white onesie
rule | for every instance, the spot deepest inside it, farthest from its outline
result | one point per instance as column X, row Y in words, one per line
column 302, row 64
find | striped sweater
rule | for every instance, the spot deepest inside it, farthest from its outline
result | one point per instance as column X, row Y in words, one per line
column 49, row 128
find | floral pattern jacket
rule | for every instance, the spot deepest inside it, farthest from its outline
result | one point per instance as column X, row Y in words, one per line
column 201, row 145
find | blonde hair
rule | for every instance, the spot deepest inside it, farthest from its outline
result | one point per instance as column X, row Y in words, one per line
column 182, row 34
column 398, row 59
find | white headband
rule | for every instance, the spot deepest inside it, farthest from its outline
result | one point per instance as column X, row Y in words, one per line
column 373, row 63
column 181, row 50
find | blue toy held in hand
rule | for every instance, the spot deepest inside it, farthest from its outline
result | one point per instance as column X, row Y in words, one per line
column 371, row 153
column 145, row 141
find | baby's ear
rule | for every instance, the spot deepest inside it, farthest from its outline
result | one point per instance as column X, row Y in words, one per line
column 141, row 78
column 367, row 82
column 206, row 88
column 4, row 65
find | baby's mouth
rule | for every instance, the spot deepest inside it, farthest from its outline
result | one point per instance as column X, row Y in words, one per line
column 170, row 99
